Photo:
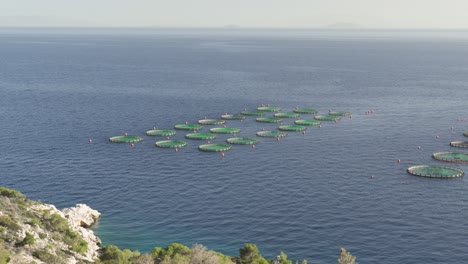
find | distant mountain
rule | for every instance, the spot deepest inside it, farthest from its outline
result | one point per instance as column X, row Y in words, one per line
column 344, row 25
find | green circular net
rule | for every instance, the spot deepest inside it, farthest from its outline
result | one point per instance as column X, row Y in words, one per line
column 287, row 115
column 252, row 113
column 435, row 171
column 305, row 111
column 451, row 157
column 268, row 119
column 307, row 122
column 160, row 132
column 188, row 127
column 233, row 117
column 459, row 144
column 465, row 134
column 225, row 130
column 171, row 144
column 272, row 134
column 339, row 113
column 211, row 122
column 125, row 139
column 242, row 141
column 201, row 136
column 292, row 128
column 269, row 108
column 214, row 147
column 326, row 118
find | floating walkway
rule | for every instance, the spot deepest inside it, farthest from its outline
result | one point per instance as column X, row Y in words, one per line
column 305, row 111
column 208, row 121
column 225, row 130
column 271, row 134
column 292, row 128
column 307, row 122
column 242, row 141
column 454, row 157
column 201, row 136
column 269, row 120
column 214, row 147
column 327, row 118
column 459, row 144
column 171, row 144
column 233, row 117
column 192, row 127
column 287, row 115
column 435, row 171
column 125, row 139
column 161, row 132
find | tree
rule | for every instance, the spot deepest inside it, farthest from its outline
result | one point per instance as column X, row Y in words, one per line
column 250, row 254
column 283, row 258
column 201, row 255
column 346, row 257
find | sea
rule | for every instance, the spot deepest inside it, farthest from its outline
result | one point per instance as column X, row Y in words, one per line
column 307, row 194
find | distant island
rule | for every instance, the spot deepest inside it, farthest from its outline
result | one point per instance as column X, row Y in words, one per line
column 344, row 25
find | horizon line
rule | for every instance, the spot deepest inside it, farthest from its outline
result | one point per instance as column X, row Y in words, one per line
column 236, row 28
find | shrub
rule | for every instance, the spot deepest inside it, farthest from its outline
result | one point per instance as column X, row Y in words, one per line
column 28, row 239
column 4, row 254
column 11, row 193
column 113, row 255
column 7, row 222
column 47, row 257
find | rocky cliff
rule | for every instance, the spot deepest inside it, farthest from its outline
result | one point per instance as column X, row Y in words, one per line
column 35, row 232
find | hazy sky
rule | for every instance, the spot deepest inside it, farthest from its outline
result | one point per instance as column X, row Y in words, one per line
column 244, row 13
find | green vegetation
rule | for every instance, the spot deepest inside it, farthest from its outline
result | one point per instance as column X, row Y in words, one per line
column 4, row 254
column 113, row 255
column 62, row 232
column 39, row 224
column 28, row 239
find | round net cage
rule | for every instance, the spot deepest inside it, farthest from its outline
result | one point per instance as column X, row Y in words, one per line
column 171, row 144
column 201, row 136
column 307, row 122
column 161, row 132
column 271, row 134
column 208, row 121
column 188, row 127
column 233, row 117
column 268, row 119
column 252, row 113
column 459, row 144
column 292, row 128
column 242, row 141
column 214, row 147
column 269, row 108
column 305, row 111
column 326, row 118
column 125, row 139
column 435, row 171
column 287, row 115
column 225, row 130
column 454, row 157
column 339, row 113
column 465, row 134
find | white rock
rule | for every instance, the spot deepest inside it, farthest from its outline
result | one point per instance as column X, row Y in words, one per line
column 81, row 215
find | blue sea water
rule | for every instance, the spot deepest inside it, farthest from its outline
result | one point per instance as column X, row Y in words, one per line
column 307, row 195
